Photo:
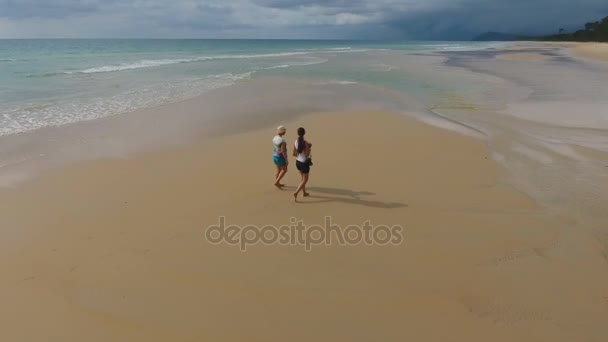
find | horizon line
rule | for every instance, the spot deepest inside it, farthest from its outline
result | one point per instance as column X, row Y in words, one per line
column 278, row 39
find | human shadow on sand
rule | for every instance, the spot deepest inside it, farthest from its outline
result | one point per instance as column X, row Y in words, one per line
column 345, row 196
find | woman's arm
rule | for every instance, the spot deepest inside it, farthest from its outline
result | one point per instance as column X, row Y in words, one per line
column 308, row 149
column 284, row 150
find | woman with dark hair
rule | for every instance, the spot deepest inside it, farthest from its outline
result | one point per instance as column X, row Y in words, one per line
column 302, row 152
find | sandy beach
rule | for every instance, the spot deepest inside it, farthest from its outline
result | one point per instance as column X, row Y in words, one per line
column 530, row 50
column 477, row 256
column 503, row 226
column 597, row 51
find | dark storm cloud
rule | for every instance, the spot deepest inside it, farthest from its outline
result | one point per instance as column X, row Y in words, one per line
column 405, row 19
column 462, row 19
column 472, row 17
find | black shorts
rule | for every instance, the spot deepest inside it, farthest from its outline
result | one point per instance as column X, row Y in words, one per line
column 303, row 167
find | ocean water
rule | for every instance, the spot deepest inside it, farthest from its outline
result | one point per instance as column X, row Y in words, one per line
column 56, row 82
column 543, row 121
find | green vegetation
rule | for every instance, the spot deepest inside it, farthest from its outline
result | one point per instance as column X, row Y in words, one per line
column 593, row 32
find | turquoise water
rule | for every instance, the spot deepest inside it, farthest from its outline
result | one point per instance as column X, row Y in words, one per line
column 54, row 82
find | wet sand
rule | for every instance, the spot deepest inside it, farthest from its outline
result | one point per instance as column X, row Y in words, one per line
column 116, row 250
column 522, row 57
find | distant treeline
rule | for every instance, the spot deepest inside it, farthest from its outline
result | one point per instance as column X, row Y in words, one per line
column 593, row 32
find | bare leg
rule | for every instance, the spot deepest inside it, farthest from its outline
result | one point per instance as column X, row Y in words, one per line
column 280, row 174
column 306, row 194
column 301, row 186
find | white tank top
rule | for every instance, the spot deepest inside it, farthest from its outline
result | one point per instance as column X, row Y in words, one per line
column 301, row 157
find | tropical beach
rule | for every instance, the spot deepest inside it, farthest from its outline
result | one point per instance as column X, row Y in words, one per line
column 492, row 157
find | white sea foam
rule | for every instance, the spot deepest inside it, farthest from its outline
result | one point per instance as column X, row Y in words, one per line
column 461, row 47
column 35, row 116
column 327, row 49
column 27, row 117
column 335, row 82
column 282, row 66
column 130, row 66
column 160, row 62
column 151, row 63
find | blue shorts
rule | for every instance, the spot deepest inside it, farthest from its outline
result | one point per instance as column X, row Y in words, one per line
column 279, row 161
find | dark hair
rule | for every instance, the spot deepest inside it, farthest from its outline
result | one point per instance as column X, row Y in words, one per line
column 301, row 141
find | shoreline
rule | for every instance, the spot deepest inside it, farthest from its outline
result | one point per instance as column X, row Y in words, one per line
column 240, row 107
column 244, row 106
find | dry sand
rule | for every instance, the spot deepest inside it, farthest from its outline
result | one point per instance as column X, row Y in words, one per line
column 597, row 51
column 592, row 51
column 114, row 250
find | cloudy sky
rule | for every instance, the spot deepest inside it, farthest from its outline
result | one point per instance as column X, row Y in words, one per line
column 341, row 19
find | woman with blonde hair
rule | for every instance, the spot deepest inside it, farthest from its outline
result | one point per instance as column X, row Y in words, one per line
column 279, row 156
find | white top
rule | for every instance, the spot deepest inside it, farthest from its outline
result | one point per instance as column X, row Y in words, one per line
column 276, row 145
column 301, row 157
